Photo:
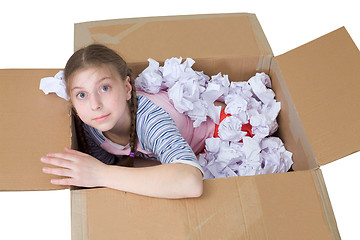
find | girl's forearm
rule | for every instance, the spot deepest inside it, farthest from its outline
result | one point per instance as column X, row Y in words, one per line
column 174, row 180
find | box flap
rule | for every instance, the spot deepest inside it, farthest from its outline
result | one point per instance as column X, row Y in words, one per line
column 31, row 125
column 290, row 130
column 235, row 42
column 323, row 79
column 271, row 206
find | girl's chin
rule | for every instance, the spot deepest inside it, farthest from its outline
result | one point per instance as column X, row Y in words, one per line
column 102, row 127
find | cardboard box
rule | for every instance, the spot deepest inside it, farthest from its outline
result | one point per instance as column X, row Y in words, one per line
column 317, row 85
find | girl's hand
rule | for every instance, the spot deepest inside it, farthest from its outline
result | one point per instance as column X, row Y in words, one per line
column 80, row 169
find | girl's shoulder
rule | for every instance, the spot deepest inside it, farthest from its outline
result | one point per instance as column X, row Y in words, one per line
column 147, row 106
column 152, row 118
column 144, row 106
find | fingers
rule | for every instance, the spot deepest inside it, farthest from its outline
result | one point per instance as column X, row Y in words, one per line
column 58, row 171
column 69, row 154
column 65, row 156
column 69, row 150
column 59, row 162
column 76, row 167
column 64, row 170
column 64, row 181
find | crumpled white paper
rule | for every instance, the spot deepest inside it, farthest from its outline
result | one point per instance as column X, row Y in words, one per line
column 189, row 90
column 226, row 159
column 230, row 129
column 55, row 84
column 216, row 90
column 253, row 101
column 150, row 79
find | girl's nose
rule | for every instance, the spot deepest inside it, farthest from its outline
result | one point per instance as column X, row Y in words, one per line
column 95, row 102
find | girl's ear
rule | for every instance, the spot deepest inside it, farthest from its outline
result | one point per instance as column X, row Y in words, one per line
column 128, row 88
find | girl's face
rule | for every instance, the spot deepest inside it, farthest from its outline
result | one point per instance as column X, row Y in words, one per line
column 99, row 96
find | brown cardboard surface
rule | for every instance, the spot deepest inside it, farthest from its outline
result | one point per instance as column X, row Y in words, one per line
column 290, row 129
column 323, row 79
column 31, row 125
column 223, row 41
column 272, row 206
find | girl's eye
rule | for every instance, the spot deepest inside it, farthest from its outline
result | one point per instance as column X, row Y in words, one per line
column 105, row 88
column 81, row 95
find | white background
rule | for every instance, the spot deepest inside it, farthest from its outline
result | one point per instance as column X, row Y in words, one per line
column 39, row 34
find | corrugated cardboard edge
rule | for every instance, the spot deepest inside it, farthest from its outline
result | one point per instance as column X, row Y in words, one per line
column 78, row 215
column 298, row 135
column 266, row 54
column 82, row 28
column 73, row 135
column 324, row 197
column 260, row 59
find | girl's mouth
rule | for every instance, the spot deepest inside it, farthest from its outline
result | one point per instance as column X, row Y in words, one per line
column 101, row 118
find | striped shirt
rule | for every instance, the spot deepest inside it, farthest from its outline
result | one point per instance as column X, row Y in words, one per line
column 158, row 137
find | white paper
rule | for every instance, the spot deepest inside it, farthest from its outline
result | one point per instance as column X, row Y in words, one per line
column 274, row 155
column 230, row 129
column 233, row 153
column 150, row 80
column 55, row 84
column 258, row 86
column 224, row 159
column 215, row 90
column 187, row 88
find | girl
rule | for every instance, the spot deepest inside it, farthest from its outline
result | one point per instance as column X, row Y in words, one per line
column 118, row 121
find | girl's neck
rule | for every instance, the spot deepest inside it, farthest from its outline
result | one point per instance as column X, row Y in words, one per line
column 120, row 134
column 122, row 139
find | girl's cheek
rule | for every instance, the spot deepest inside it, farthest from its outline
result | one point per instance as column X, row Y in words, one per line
column 80, row 110
column 83, row 117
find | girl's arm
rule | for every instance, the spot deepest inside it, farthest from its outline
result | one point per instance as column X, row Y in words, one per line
column 174, row 180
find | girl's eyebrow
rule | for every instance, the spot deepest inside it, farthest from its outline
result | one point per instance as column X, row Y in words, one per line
column 102, row 79
column 76, row 88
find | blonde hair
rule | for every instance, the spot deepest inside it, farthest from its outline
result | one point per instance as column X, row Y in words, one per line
column 97, row 55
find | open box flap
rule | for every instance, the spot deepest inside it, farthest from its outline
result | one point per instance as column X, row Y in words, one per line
column 270, row 206
column 323, row 79
column 31, row 125
column 230, row 42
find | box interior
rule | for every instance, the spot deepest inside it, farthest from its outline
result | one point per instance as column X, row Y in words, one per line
column 239, row 49
column 301, row 77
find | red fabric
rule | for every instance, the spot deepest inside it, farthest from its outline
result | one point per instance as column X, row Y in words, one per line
column 223, row 115
column 245, row 127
